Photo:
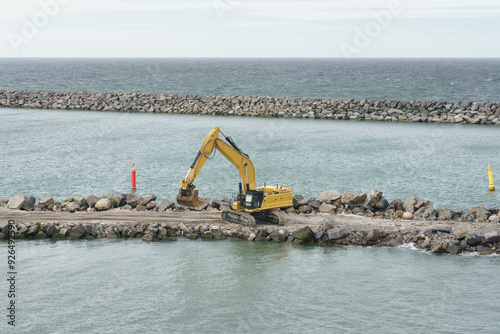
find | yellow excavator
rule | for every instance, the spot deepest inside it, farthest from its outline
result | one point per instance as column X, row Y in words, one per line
column 252, row 204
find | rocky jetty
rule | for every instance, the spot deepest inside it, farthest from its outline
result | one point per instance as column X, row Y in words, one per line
column 259, row 106
column 438, row 230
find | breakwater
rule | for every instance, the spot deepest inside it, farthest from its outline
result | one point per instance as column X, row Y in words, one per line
column 258, row 106
column 332, row 218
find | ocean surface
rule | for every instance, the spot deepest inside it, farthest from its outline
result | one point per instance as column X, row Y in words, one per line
column 63, row 153
column 129, row 286
column 400, row 79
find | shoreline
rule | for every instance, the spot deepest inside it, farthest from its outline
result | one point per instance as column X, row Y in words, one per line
column 316, row 229
column 333, row 218
column 479, row 113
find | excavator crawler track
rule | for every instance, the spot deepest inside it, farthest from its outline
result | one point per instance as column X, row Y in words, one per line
column 247, row 219
column 238, row 217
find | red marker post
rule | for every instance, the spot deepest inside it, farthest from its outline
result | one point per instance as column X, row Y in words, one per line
column 133, row 177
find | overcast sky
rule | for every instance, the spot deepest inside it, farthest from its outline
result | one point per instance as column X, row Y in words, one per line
column 246, row 28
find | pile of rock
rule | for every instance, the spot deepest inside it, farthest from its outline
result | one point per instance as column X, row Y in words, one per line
column 375, row 205
column 372, row 204
column 437, row 239
column 324, row 108
column 108, row 201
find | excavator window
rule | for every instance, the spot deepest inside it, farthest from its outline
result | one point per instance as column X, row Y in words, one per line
column 253, row 200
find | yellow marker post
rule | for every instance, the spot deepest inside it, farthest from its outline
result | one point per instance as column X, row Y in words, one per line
column 490, row 177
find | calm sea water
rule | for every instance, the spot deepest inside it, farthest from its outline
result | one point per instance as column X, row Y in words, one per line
column 128, row 286
column 64, row 153
column 404, row 79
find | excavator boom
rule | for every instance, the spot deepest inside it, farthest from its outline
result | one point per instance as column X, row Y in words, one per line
column 188, row 196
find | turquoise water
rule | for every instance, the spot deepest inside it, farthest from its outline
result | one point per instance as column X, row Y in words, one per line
column 128, row 286
column 63, row 153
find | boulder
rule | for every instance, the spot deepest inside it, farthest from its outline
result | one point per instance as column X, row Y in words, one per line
column 298, row 200
column 374, row 197
column 144, row 200
column 104, row 204
column 316, row 204
column 46, row 201
column 460, row 233
column 77, row 232
column 397, row 205
column 409, row 204
column 278, row 235
column 165, row 205
column 473, row 240
column 482, row 250
column 493, row 236
column 117, row 198
column 16, row 202
column 91, row 201
column 217, row 233
column 453, row 249
column 336, row 233
column 480, row 212
column 303, row 233
column 382, row 204
column 305, row 209
column 81, row 201
column 445, row 214
column 327, row 208
column 494, row 218
column 131, row 199
column 151, row 205
column 407, row 215
column 220, row 201
column 329, row 196
column 373, row 235
column 72, row 206
column 351, row 199
column 29, row 203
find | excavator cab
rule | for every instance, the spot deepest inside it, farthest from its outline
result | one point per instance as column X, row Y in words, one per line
column 253, row 199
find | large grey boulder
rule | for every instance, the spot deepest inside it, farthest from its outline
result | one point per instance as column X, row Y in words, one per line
column 480, row 212
column 81, row 201
column 91, row 201
column 220, row 201
column 303, row 233
column 336, row 233
column 329, row 196
column 116, row 197
column 29, row 203
column 374, row 197
column 409, row 204
column 382, row 204
column 144, row 200
column 131, row 199
column 353, row 199
column 165, row 205
column 445, row 214
column 104, row 204
column 16, row 202
column 72, row 206
column 46, row 201
column 493, row 236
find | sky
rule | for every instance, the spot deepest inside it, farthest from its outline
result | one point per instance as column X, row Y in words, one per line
column 247, row 28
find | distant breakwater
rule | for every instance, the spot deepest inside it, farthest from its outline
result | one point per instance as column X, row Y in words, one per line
column 259, row 106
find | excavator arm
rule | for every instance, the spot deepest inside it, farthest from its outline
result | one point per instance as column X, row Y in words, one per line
column 188, row 196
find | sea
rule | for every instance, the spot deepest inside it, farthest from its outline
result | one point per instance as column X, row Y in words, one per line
column 184, row 286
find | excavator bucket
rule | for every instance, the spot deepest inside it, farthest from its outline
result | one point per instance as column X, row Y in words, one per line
column 191, row 199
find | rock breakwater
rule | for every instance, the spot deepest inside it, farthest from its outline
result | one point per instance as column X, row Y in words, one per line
column 259, row 106
column 332, row 218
